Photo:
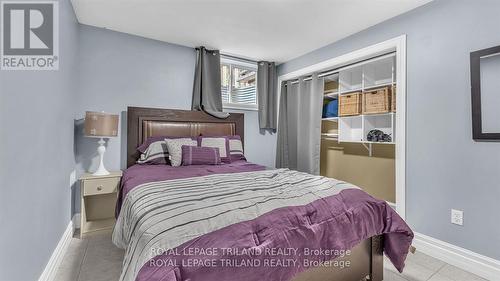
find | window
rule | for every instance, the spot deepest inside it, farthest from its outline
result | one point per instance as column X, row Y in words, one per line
column 238, row 82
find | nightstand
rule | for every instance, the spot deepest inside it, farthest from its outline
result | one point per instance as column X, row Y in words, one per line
column 98, row 201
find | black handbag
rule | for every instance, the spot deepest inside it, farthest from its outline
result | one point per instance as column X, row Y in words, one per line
column 378, row 136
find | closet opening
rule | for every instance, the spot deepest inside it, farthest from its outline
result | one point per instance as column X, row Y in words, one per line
column 363, row 118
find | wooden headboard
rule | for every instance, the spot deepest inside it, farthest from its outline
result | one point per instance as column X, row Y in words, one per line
column 143, row 123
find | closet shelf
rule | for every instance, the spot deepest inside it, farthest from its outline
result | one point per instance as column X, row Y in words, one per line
column 368, row 115
column 331, row 94
column 366, row 142
column 329, row 135
column 350, row 91
column 367, row 88
column 332, row 91
column 330, row 119
column 378, row 86
column 379, row 114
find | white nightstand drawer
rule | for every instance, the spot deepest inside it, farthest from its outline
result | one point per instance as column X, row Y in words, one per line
column 100, row 186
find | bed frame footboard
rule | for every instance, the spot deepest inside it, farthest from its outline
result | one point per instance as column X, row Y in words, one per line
column 365, row 263
column 377, row 259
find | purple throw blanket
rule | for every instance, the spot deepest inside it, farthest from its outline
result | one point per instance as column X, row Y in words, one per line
column 335, row 224
column 276, row 245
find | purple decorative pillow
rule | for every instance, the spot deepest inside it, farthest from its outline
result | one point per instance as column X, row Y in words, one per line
column 236, row 148
column 196, row 155
column 222, row 143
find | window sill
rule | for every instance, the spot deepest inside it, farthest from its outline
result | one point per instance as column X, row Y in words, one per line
column 240, row 107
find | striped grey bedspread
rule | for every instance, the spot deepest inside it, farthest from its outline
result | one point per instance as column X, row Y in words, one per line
column 165, row 214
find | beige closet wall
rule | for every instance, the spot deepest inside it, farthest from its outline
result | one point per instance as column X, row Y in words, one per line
column 350, row 162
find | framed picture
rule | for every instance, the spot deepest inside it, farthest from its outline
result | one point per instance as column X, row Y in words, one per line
column 485, row 91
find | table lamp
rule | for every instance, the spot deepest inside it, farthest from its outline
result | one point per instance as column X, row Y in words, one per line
column 101, row 125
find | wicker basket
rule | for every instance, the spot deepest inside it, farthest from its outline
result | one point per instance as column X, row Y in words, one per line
column 377, row 101
column 393, row 98
column 350, row 104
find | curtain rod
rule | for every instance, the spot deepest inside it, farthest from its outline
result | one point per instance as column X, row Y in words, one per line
column 238, row 58
column 228, row 56
column 335, row 70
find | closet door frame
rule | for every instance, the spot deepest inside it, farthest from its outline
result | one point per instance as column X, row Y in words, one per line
column 397, row 44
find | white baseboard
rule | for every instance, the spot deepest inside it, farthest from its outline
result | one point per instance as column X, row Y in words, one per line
column 55, row 260
column 462, row 258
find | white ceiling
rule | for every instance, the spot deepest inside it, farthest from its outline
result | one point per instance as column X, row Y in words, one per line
column 274, row 30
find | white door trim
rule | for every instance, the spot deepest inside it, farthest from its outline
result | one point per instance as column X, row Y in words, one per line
column 399, row 45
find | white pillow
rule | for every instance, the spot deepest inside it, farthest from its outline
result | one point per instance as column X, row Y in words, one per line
column 221, row 143
column 175, row 149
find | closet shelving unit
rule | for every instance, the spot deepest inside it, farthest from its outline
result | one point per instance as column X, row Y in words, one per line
column 361, row 77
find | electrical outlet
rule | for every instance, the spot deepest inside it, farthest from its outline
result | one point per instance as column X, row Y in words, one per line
column 457, row 217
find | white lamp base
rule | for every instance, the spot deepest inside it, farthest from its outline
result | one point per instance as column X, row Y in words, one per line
column 101, row 171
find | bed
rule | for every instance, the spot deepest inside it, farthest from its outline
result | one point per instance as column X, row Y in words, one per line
column 243, row 221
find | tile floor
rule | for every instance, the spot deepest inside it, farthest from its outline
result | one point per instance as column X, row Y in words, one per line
column 95, row 258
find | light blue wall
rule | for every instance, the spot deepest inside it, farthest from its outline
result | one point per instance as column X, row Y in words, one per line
column 42, row 142
column 119, row 70
column 445, row 167
column 36, row 133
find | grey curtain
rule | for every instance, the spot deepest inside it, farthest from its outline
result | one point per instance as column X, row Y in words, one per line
column 282, row 151
column 299, row 127
column 266, row 94
column 293, row 120
column 207, row 83
column 309, row 129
